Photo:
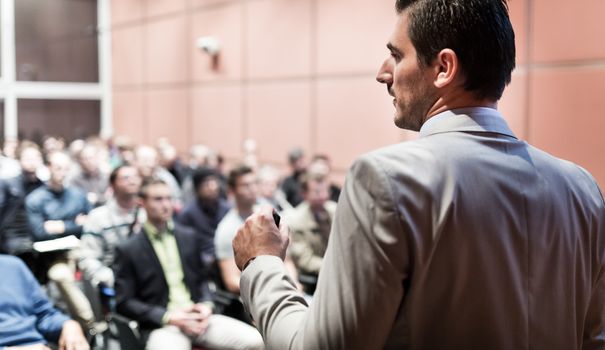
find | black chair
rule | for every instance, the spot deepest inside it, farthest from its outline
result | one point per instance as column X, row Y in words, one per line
column 128, row 333
column 308, row 281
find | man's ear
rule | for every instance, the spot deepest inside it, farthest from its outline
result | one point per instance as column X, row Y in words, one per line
column 447, row 66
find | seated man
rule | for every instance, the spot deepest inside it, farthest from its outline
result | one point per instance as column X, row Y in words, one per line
column 110, row 224
column 205, row 212
column 160, row 283
column 27, row 318
column 310, row 224
column 243, row 186
column 91, row 178
column 56, row 210
column 15, row 231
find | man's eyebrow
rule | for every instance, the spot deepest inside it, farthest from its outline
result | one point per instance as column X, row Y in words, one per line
column 392, row 48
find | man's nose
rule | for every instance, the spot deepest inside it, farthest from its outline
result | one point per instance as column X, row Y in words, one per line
column 385, row 75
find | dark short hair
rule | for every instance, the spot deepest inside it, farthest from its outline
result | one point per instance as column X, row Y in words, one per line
column 237, row 172
column 295, row 154
column 308, row 177
column 148, row 182
column 478, row 31
column 202, row 174
column 113, row 176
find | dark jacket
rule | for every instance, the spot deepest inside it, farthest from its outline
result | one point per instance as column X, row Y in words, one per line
column 204, row 221
column 141, row 287
column 15, row 231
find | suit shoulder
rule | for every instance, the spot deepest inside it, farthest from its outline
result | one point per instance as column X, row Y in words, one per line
column 184, row 230
column 132, row 243
column 405, row 160
column 569, row 173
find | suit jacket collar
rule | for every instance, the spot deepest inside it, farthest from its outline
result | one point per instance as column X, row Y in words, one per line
column 473, row 119
column 148, row 249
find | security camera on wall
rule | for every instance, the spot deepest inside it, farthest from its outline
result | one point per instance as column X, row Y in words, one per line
column 209, row 44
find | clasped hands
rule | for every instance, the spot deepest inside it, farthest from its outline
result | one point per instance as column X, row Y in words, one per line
column 260, row 236
column 192, row 321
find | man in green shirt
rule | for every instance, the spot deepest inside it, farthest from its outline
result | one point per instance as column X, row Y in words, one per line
column 161, row 283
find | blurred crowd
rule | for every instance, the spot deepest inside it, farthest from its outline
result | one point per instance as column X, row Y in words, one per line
column 81, row 211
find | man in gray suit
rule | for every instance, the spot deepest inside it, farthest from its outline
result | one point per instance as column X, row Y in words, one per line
column 466, row 238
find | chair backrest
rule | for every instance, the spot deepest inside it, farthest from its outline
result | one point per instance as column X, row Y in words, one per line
column 129, row 336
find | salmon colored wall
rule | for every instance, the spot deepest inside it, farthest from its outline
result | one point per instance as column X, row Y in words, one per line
column 301, row 72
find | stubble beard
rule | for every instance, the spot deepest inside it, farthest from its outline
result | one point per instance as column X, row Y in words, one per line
column 411, row 114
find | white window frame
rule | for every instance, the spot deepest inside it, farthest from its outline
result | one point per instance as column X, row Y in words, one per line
column 12, row 90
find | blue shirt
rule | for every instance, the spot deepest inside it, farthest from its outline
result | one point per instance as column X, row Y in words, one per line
column 44, row 204
column 26, row 315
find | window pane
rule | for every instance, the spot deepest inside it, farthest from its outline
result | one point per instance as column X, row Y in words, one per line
column 56, row 40
column 65, row 118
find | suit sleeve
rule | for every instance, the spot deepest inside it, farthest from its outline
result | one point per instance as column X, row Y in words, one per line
column 594, row 324
column 360, row 288
column 127, row 303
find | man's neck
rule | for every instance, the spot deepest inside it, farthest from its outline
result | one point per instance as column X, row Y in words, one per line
column 160, row 225
column 458, row 99
column 244, row 210
column 126, row 202
column 29, row 177
column 56, row 187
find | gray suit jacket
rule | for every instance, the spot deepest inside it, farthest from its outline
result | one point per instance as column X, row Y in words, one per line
column 466, row 238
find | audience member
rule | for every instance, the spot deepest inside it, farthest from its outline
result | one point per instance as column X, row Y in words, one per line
column 310, row 223
column 147, row 162
column 56, row 210
column 201, row 156
column 121, row 151
column 111, row 224
column 170, row 161
column 27, row 318
column 243, row 185
column 52, row 144
column 321, row 165
column 160, row 284
column 9, row 149
column 269, row 191
column 291, row 184
column 15, row 231
column 204, row 213
column 90, row 178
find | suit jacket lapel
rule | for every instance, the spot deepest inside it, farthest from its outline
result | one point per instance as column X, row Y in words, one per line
column 183, row 245
column 151, row 255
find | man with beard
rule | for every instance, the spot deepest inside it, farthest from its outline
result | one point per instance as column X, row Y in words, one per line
column 206, row 211
column 110, row 224
column 465, row 238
